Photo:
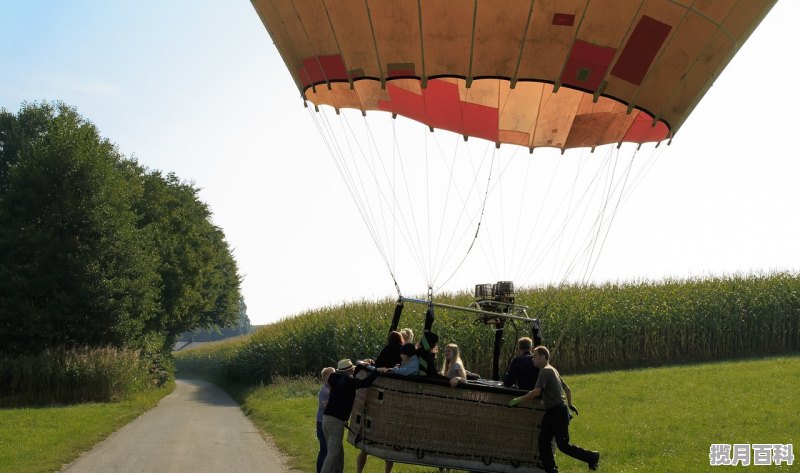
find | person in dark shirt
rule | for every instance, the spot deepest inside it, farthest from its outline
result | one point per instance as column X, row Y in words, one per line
column 557, row 400
column 322, row 402
column 521, row 372
column 427, row 349
column 389, row 357
column 337, row 412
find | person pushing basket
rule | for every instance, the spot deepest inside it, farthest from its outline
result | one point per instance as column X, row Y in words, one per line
column 555, row 422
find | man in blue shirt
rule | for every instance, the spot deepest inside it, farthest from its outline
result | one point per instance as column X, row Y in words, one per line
column 521, row 372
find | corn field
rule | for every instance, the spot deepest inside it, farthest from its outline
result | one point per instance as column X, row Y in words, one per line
column 587, row 328
column 69, row 376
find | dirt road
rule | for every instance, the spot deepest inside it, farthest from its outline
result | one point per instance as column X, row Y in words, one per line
column 197, row 428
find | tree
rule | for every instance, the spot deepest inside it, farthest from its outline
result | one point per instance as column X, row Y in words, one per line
column 199, row 276
column 242, row 327
column 243, row 324
column 18, row 133
column 97, row 250
column 73, row 268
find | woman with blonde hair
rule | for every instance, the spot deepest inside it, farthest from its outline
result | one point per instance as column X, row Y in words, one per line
column 408, row 335
column 453, row 367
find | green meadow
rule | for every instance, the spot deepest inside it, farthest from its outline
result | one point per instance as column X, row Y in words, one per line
column 42, row 439
column 642, row 420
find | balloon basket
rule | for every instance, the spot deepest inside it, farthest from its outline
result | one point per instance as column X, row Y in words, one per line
column 427, row 422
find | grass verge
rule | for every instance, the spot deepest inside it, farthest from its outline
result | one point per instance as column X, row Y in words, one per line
column 42, row 439
column 645, row 420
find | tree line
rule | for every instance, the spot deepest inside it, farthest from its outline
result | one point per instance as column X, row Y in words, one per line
column 241, row 326
column 96, row 249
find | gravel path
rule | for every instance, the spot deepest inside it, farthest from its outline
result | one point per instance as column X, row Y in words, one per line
column 198, row 428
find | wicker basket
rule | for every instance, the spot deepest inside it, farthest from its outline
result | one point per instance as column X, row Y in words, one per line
column 427, row 422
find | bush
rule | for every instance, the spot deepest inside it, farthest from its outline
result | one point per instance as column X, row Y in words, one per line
column 160, row 364
column 63, row 376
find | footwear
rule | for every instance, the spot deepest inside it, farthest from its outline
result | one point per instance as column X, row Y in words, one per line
column 595, row 460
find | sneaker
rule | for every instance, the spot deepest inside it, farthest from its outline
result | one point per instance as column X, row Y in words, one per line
column 594, row 461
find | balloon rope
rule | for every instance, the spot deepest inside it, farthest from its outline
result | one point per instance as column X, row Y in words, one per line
column 652, row 159
column 416, row 252
column 407, row 237
column 599, row 223
column 622, row 198
column 525, row 259
column 518, row 227
column 599, row 220
column 571, row 212
column 555, row 238
column 611, row 220
column 334, row 148
column 429, row 275
column 593, row 186
column 477, row 228
column 442, row 257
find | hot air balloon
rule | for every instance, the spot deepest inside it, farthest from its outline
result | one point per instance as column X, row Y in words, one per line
column 561, row 74
column 517, row 74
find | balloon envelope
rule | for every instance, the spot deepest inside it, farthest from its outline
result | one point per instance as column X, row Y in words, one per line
column 544, row 73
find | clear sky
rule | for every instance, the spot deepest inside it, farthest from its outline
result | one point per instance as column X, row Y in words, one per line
column 197, row 88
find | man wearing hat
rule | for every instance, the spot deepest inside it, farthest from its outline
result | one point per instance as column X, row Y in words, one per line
column 337, row 412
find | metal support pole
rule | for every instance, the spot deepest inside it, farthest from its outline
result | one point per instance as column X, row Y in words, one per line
column 398, row 311
column 501, row 315
column 498, row 342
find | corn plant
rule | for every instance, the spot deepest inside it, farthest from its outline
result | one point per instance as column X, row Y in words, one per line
column 586, row 327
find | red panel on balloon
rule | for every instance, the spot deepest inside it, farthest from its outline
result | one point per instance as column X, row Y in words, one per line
column 587, row 65
column 480, row 121
column 320, row 69
column 643, row 131
column 404, row 102
column 440, row 106
column 640, row 50
column 563, row 19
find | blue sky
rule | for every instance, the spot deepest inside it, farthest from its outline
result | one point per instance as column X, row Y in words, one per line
column 196, row 87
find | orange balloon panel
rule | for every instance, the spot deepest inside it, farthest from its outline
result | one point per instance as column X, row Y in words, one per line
column 556, row 73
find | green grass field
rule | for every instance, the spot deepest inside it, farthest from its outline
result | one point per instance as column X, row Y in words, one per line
column 644, row 420
column 34, row 440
